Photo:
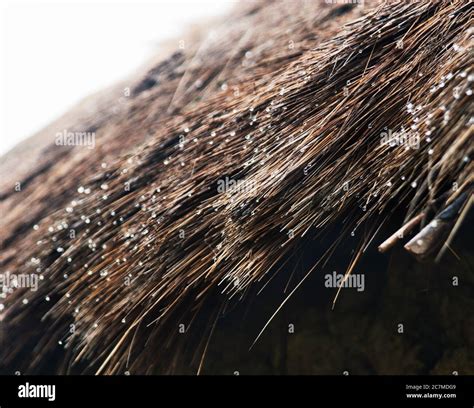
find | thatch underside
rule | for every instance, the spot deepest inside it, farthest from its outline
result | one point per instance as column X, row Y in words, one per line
column 290, row 100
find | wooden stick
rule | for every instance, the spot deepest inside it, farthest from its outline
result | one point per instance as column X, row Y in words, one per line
column 400, row 233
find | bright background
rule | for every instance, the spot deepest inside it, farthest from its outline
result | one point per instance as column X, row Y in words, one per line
column 54, row 54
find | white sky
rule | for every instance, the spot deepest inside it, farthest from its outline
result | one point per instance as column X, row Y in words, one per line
column 54, row 54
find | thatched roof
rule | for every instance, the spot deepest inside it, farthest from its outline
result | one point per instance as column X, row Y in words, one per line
column 314, row 114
